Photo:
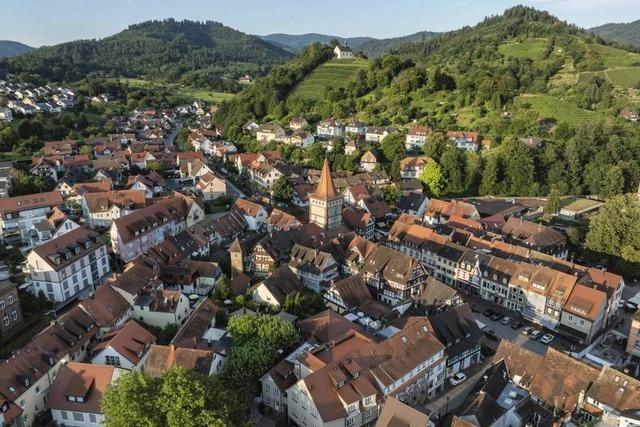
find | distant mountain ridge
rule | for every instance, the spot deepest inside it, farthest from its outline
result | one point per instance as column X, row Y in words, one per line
column 207, row 54
column 628, row 33
column 377, row 47
column 369, row 46
column 296, row 42
column 10, row 48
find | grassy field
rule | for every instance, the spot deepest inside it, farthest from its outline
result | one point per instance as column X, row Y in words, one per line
column 189, row 92
column 335, row 73
column 625, row 77
column 612, row 57
column 548, row 106
column 531, row 48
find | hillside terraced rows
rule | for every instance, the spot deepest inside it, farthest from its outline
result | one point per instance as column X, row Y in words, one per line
column 335, row 73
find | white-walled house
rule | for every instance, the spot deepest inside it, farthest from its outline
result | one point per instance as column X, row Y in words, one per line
column 126, row 347
column 254, row 214
column 161, row 308
column 64, row 267
column 18, row 215
column 343, row 52
column 75, row 397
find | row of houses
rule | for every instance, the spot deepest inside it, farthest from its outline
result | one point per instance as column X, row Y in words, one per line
column 577, row 301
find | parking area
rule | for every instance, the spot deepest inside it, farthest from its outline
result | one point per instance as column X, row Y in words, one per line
column 517, row 336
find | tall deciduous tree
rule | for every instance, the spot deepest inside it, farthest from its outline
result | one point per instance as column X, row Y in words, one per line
column 431, row 177
column 552, row 206
column 615, row 230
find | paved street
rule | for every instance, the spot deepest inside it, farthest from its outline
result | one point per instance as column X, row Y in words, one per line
column 454, row 396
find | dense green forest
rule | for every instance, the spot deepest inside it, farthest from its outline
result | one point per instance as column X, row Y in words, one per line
column 623, row 33
column 521, row 74
column 203, row 54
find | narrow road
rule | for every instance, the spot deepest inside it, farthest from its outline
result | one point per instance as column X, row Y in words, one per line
column 168, row 140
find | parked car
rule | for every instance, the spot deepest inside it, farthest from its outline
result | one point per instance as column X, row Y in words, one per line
column 496, row 316
column 458, row 378
column 630, row 307
column 535, row 334
column 528, row 330
column 506, row 320
column 488, row 312
column 546, row 339
column 516, row 324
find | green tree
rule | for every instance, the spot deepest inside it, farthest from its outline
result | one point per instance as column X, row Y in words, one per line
column 615, row 231
column 453, row 164
column 392, row 147
column 552, row 206
column 223, row 289
column 431, row 177
column 283, row 190
column 132, row 397
column 613, row 182
column 491, row 176
column 391, row 194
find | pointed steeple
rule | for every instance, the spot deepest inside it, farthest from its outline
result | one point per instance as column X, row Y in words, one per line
column 325, row 190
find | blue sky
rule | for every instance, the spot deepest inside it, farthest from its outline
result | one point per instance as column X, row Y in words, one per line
column 40, row 22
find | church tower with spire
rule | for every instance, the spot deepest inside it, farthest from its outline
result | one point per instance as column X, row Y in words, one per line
column 325, row 204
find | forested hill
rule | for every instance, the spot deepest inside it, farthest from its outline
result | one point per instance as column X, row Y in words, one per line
column 10, row 48
column 378, row 47
column 628, row 34
column 194, row 53
column 519, row 75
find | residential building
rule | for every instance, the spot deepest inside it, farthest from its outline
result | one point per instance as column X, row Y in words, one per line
column 377, row 134
column 368, row 161
column 360, row 221
column 329, row 128
column 76, row 395
column 325, row 204
column 439, row 211
column 298, row 123
column 316, row 268
column 134, row 234
column 276, row 287
column 126, row 347
column 107, row 308
column 583, row 315
column 67, row 266
column 396, row 413
column 464, row 140
column 348, row 294
column 269, row 132
column 10, row 308
column 417, row 137
column 27, row 378
column 536, row 236
column 100, row 209
column 458, row 330
column 212, row 186
column 356, row 128
column 393, row 276
column 344, row 383
column 164, row 357
column 18, row 215
column 151, row 184
column 161, row 308
column 412, row 167
column 255, row 215
column 281, row 221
